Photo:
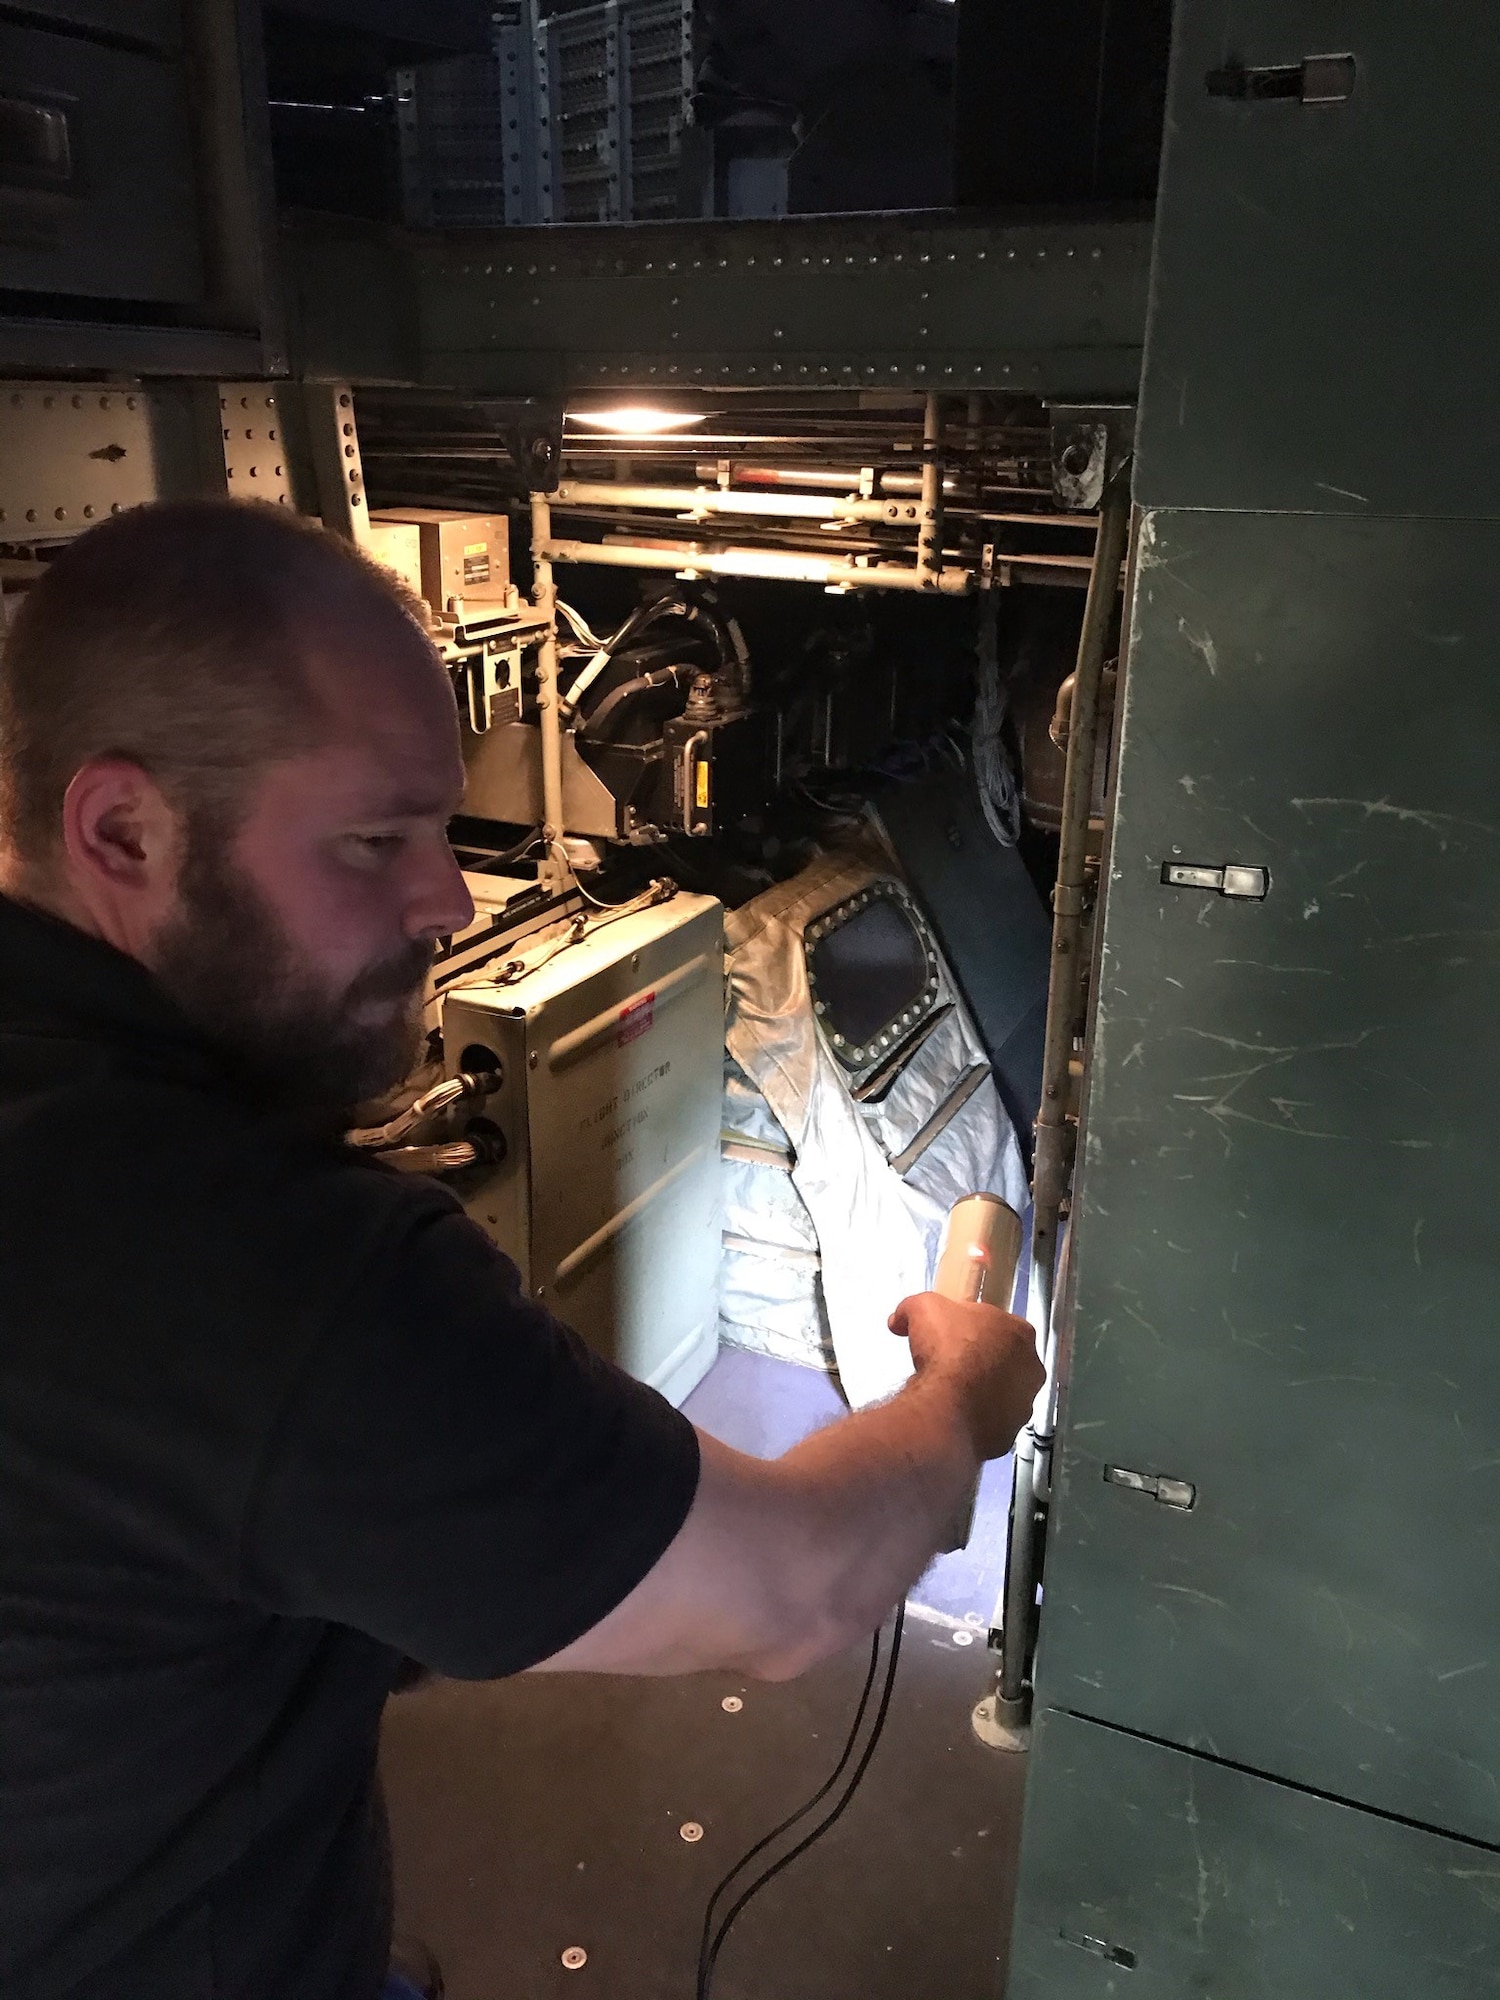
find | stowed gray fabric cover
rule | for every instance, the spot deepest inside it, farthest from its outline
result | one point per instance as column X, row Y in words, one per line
column 822, row 1235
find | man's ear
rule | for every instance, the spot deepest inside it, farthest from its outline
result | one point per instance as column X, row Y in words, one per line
column 120, row 840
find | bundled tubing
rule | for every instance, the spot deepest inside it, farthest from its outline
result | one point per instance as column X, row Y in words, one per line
column 1054, row 1133
column 474, row 1086
column 673, row 605
column 446, row 1159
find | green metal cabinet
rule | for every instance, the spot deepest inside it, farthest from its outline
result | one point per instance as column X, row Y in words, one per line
column 1268, row 1722
column 1325, row 316
column 1206, row 1881
column 1287, row 1270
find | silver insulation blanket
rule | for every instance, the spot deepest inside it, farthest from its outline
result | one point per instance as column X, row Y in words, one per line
column 834, row 1208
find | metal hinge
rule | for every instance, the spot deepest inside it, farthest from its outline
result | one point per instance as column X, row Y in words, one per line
column 1233, row 879
column 1178, row 1493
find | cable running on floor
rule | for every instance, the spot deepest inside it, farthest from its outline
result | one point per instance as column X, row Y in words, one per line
column 712, row 1941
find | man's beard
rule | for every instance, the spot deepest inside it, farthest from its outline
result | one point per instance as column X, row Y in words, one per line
column 227, row 962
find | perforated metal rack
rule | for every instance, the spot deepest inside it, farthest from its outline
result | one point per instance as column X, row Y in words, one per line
column 613, row 89
column 450, row 119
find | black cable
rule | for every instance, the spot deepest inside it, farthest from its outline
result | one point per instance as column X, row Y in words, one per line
column 790, row 1821
column 616, row 699
column 708, row 1953
column 492, row 862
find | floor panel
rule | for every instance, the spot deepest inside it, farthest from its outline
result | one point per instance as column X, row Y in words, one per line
column 538, row 1814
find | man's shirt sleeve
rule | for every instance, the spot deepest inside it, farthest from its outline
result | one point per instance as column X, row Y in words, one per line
column 455, row 1473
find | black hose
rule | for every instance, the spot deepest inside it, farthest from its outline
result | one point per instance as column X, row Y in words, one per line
column 626, row 692
column 493, row 861
column 643, row 615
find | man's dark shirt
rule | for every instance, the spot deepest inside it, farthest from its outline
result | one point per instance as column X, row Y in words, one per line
column 271, row 1418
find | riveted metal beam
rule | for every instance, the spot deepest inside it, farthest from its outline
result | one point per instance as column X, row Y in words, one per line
column 1050, row 308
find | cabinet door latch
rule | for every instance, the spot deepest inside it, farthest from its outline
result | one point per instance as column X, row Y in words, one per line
column 1178, row 1493
column 1316, row 80
column 1233, row 879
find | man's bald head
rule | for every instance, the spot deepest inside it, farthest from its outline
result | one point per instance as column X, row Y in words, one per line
column 182, row 638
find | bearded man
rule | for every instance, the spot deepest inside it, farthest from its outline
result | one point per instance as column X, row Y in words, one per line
column 273, row 1419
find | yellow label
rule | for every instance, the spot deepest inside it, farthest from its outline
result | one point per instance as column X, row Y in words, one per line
column 475, row 548
column 703, row 784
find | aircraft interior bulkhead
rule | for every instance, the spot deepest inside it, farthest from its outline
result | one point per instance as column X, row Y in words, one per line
column 988, row 696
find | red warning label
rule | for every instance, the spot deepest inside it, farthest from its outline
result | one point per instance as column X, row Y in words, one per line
column 636, row 1019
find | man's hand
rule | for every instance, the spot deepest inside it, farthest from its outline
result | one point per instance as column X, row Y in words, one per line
column 989, row 1358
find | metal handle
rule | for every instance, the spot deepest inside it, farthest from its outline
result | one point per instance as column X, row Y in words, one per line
column 36, row 144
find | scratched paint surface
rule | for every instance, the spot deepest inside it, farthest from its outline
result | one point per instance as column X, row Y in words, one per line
column 1224, row 1886
column 1288, row 1263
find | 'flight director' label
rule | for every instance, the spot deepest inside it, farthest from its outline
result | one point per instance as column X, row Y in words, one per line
column 636, row 1020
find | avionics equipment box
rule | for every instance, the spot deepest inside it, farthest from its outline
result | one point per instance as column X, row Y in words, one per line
column 443, row 556
column 612, row 1054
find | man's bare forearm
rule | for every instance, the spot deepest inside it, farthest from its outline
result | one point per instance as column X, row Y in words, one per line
column 783, row 1562
column 878, row 1495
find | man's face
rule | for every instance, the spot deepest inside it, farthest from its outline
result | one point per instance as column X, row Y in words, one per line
column 301, row 942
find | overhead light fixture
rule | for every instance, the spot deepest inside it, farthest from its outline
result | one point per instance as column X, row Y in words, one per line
column 637, row 420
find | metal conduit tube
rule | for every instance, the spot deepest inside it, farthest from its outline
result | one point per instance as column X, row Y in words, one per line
column 551, row 870
column 835, row 540
column 787, row 565
column 587, row 494
column 721, row 500
column 1053, row 1132
column 930, row 529
column 848, row 479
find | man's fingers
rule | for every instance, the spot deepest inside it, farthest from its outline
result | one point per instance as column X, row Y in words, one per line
column 900, row 1320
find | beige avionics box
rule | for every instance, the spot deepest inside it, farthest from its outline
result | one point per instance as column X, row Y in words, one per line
column 608, row 1198
column 464, row 557
column 398, row 544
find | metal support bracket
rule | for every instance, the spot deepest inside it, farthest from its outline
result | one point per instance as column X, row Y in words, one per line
column 1089, row 445
column 1314, row 80
column 333, row 445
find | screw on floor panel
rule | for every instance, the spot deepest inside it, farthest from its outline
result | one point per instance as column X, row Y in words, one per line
column 575, row 1957
column 731, row 1704
column 690, row 1830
